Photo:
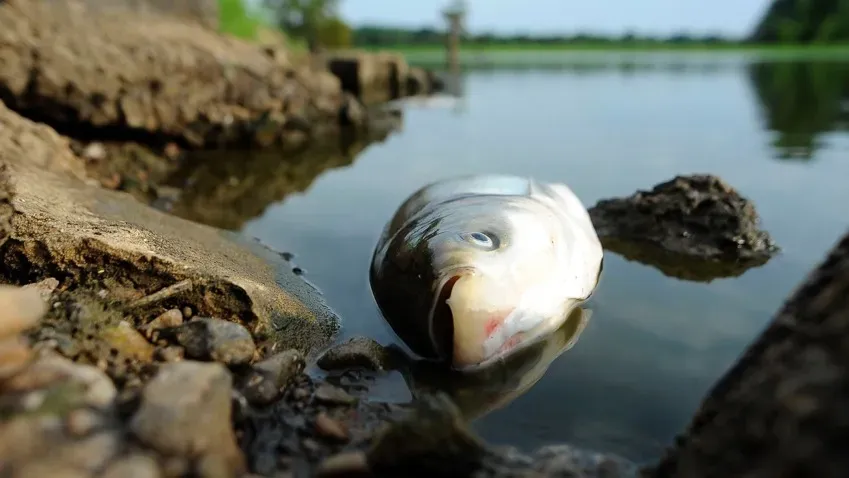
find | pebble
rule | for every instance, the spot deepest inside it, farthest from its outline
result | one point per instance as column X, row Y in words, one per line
column 51, row 368
column 20, row 309
column 129, row 342
column 350, row 463
column 330, row 427
column 169, row 318
column 171, row 353
column 91, row 453
column 186, row 410
column 267, row 378
column 215, row 339
column 136, row 465
column 83, row 421
column 331, row 394
column 356, row 352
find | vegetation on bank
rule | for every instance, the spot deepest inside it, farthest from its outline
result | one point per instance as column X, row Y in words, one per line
column 786, row 25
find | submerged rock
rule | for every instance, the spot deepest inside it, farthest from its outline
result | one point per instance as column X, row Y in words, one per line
column 356, row 352
column 697, row 222
column 108, row 240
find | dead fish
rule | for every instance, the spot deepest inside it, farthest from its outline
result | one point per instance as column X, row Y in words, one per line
column 471, row 269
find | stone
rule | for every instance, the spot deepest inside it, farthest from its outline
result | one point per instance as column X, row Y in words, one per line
column 45, row 288
column 266, row 379
column 91, row 453
column 331, row 394
column 67, row 224
column 137, row 465
column 372, row 78
column 50, row 368
column 694, row 227
column 347, row 464
column 186, row 410
column 124, row 338
column 330, row 427
column 15, row 355
column 356, row 352
column 216, row 339
column 20, row 309
column 169, row 318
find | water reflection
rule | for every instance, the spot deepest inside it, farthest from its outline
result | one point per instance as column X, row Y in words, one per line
column 479, row 393
column 800, row 101
column 226, row 189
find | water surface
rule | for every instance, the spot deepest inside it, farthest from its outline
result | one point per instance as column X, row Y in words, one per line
column 776, row 129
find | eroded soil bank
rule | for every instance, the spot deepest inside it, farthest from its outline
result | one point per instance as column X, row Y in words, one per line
column 139, row 338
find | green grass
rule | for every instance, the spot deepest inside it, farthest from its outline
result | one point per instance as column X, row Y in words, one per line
column 234, row 19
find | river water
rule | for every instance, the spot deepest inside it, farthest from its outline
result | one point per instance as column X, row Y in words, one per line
column 777, row 129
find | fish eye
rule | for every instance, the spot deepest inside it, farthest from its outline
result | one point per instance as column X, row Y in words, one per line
column 483, row 240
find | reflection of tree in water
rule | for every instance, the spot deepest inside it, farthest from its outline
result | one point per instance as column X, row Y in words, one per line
column 801, row 100
column 225, row 189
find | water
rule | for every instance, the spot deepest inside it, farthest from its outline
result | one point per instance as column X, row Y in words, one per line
column 775, row 129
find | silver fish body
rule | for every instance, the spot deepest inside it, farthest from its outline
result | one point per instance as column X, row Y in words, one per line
column 471, row 269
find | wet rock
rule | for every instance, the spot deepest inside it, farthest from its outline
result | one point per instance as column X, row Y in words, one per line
column 266, row 379
column 186, row 409
column 331, row 394
column 356, row 352
column 418, row 82
column 64, row 224
column 128, row 342
column 698, row 216
column 216, row 339
column 168, row 319
column 780, row 410
column 20, row 309
column 133, row 466
column 151, row 74
column 433, row 441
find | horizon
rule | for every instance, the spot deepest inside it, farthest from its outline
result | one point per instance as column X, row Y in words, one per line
column 724, row 18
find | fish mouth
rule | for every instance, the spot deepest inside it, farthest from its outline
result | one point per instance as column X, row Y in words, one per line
column 442, row 320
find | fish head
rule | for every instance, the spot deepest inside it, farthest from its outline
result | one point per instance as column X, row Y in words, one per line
column 498, row 270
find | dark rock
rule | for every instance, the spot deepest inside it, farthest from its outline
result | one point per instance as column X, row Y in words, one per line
column 418, row 81
column 216, row 339
column 781, row 409
column 691, row 217
column 186, row 410
column 327, row 393
column 372, row 78
column 356, row 352
column 266, row 379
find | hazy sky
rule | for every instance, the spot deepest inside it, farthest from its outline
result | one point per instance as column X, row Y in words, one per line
column 730, row 17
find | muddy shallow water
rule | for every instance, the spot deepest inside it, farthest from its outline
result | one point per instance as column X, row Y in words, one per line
column 778, row 131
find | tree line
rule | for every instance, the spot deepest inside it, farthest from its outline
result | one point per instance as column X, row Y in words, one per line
column 319, row 22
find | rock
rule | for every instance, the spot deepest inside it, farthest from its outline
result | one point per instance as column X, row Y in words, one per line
column 15, row 354
column 418, row 82
column 330, row 427
column 20, row 309
column 136, row 465
column 89, row 454
column 348, row 464
column 267, row 378
column 45, row 288
column 128, row 342
column 205, row 12
column 97, row 389
column 149, row 72
column 691, row 217
column 780, row 410
column 63, row 224
column 356, row 352
column 168, row 319
column 373, row 78
column 216, row 339
column 186, row 409
column 170, row 354
column 331, row 394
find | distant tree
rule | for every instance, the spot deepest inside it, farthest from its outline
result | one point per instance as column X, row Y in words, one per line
column 334, row 33
column 303, row 19
column 804, row 21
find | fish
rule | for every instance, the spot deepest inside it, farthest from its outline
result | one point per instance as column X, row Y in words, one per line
column 479, row 393
column 471, row 269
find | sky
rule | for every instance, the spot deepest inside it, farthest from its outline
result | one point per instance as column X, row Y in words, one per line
column 660, row 17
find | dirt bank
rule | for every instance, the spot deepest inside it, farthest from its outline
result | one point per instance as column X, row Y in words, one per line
column 152, row 77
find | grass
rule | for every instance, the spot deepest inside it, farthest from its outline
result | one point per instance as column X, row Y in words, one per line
column 234, row 19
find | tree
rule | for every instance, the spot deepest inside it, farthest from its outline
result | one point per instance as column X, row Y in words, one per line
column 303, row 18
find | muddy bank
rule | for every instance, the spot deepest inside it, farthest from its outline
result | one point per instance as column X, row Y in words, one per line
column 152, row 77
